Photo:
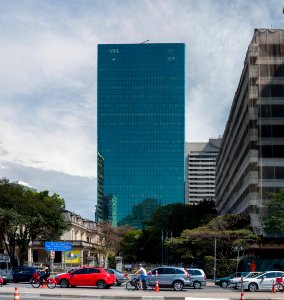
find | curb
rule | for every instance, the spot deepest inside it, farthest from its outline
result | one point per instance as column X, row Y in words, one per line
column 154, row 297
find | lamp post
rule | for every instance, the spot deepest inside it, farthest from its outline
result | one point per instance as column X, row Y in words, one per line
column 238, row 249
column 215, row 259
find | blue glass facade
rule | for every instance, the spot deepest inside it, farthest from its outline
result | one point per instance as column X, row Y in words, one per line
column 141, row 124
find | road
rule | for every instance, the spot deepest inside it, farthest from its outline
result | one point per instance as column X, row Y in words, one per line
column 27, row 292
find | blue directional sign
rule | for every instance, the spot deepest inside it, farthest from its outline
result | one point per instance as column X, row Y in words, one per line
column 57, row 246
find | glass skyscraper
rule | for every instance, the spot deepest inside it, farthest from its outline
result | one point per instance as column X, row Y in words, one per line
column 141, row 126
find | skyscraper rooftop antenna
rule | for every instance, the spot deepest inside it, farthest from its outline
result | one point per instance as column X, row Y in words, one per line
column 148, row 40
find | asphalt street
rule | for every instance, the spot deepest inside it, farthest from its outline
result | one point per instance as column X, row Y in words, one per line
column 27, row 292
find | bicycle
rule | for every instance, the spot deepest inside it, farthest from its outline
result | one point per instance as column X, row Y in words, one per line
column 279, row 286
column 36, row 283
column 133, row 284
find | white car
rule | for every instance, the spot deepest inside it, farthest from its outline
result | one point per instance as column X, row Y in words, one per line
column 235, row 281
column 262, row 282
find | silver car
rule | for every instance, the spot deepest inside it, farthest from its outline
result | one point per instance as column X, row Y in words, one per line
column 120, row 277
column 236, row 281
column 263, row 281
column 175, row 277
column 198, row 278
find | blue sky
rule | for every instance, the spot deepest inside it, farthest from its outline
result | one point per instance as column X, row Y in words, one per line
column 48, row 60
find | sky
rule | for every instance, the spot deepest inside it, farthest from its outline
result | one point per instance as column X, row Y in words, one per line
column 48, row 73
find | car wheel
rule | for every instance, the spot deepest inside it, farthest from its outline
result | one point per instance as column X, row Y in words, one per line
column 197, row 284
column 224, row 284
column 101, row 284
column 178, row 285
column 239, row 286
column 252, row 287
column 117, row 283
column 64, row 283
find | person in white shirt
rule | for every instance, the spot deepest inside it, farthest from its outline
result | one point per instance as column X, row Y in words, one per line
column 142, row 274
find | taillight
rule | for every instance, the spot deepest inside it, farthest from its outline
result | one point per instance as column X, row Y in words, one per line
column 204, row 277
column 125, row 275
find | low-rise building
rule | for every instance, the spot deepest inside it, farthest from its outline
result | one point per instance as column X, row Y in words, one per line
column 86, row 239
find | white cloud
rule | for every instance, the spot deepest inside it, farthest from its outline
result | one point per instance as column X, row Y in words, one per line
column 48, row 70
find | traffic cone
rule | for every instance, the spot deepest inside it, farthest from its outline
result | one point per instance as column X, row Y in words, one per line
column 273, row 288
column 157, row 289
column 16, row 294
column 242, row 296
column 43, row 285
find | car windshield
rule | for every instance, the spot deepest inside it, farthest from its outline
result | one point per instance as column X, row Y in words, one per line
column 70, row 270
column 259, row 276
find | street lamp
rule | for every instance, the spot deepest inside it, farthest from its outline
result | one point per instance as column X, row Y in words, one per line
column 238, row 249
column 215, row 259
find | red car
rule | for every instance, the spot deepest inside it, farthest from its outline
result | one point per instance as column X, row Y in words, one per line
column 87, row 276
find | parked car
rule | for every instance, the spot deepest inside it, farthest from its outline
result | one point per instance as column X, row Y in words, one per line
column 23, row 273
column 198, row 278
column 87, row 276
column 263, row 281
column 6, row 271
column 234, row 282
column 224, row 281
column 175, row 277
column 120, row 277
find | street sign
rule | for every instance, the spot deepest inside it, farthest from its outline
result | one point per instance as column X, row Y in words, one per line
column 57, row 246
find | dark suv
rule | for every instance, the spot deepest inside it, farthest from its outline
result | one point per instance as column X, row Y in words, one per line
column 23, row 273
column 175, row 277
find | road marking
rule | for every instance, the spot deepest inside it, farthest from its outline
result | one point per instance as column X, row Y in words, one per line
column 194, row 298
column 152, row 297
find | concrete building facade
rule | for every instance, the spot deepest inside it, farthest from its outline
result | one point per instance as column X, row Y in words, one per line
column 250, row 164
column 200, row 163
column 86, row 238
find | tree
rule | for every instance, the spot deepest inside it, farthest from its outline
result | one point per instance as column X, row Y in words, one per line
column 111, row 239
column 129, row 245
column 229, row 230
column 167, row 222
column 27, row 216
column 274, row 221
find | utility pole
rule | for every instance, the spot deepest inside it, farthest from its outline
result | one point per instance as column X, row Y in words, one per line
column 215, row 260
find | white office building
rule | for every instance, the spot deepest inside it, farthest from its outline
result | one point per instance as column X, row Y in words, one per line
column 200, row 165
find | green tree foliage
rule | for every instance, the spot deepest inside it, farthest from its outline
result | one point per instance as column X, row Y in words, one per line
column 229, row 230
column 27, row 216
column 166, row 222
column 224, row 267
column 174, row 218
column 130, row 245
column 274, row 221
